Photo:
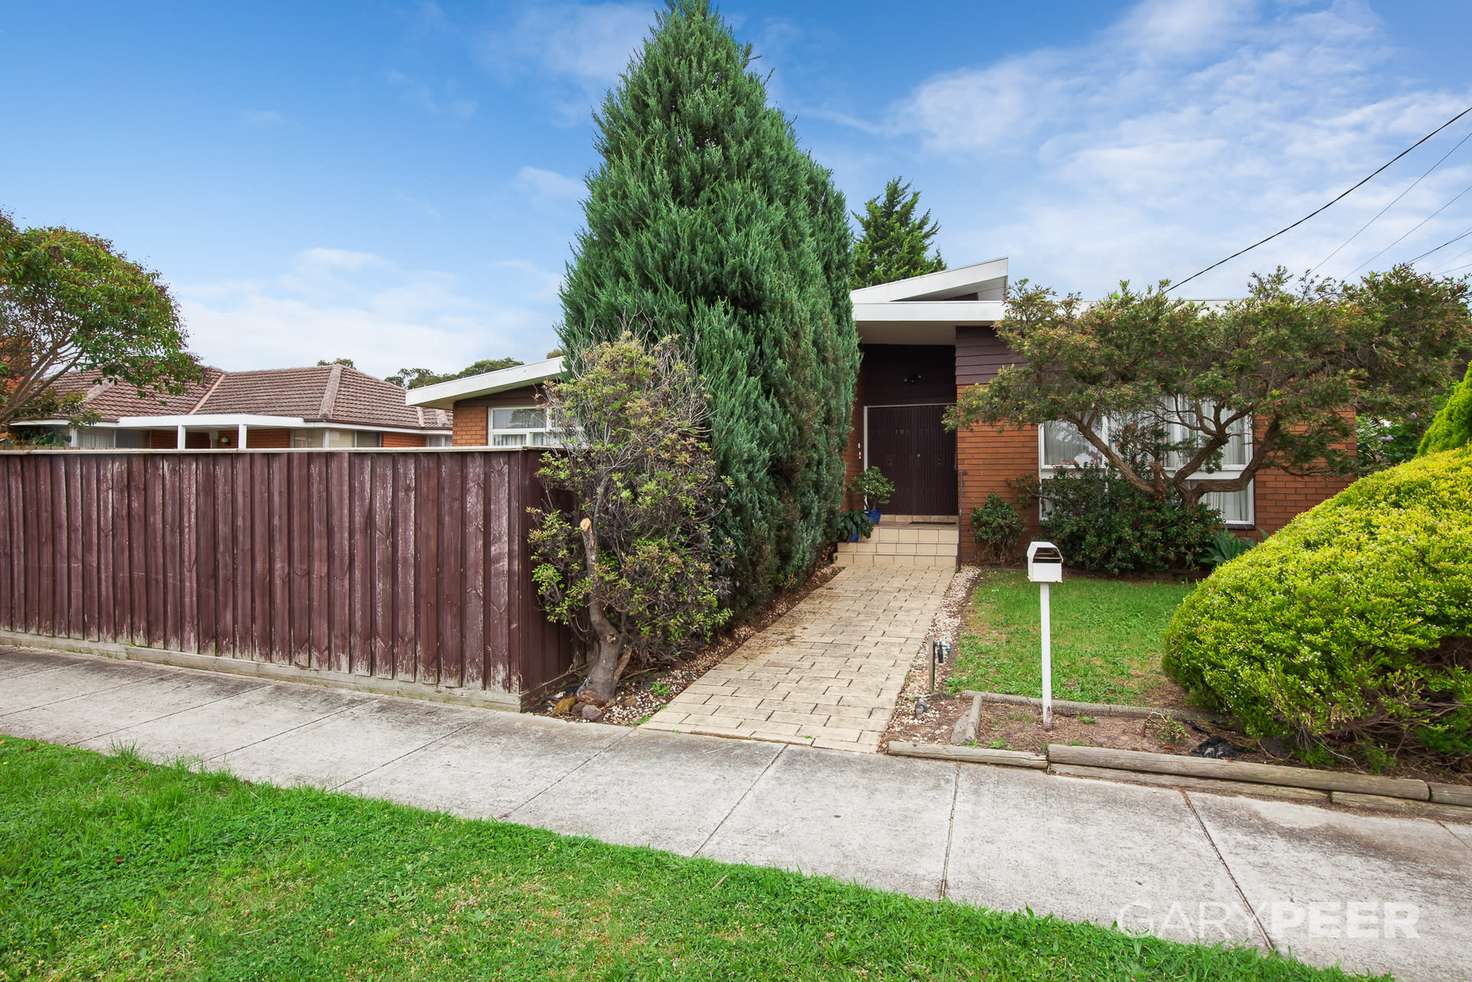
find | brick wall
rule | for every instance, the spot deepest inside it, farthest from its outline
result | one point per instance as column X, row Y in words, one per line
column 1278, row 496
column 471, row 424
column 400, row 440
column 988, row 458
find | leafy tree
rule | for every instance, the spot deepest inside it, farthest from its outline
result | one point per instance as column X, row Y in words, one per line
column 413, row 378
column 70, row 302
column 345, row 362
column 1176, row 378
column 631, row 565
column 706, row 222
column 894, row 242
column 1452, row 426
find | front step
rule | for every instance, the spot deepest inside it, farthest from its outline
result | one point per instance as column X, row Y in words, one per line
column 903, row 545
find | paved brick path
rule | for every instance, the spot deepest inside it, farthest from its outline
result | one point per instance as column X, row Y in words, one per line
column 825, row 674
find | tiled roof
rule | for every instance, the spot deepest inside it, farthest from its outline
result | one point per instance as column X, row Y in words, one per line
column 114, row 399
column 323, row 393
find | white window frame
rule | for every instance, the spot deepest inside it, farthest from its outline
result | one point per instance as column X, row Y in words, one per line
column 547, row 431
column 1226, row 472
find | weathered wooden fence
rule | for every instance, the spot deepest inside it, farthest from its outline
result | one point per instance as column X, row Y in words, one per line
column 403, row 565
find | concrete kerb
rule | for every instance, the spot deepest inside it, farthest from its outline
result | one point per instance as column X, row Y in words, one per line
column 1407, row 796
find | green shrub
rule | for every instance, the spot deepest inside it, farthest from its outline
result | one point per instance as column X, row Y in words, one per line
column 1225, row 547
column 851, row 523
column 1451, row 427
column 1352, row 626
column 1103, row 523
column 872, row 486
column 996, row 526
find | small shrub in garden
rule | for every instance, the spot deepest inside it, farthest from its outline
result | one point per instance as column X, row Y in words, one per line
column 872, row 486
column 631, row 566
column 852, row 523
column 1351, row 628
column 997, row 527
column 1107, row 525
column 1225, row 547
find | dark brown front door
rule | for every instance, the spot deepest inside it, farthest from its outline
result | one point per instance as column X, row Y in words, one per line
column 915, row 451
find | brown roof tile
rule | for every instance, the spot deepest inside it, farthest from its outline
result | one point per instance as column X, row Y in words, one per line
column 309, row 393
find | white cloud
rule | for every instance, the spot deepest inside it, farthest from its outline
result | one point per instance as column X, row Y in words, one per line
column 1178, row 135
column 335, row 303
column 445, row 100
column 577, row 50
column 549, row 184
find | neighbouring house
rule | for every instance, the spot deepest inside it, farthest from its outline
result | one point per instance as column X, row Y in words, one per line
column 923, row 340
column 331, row 406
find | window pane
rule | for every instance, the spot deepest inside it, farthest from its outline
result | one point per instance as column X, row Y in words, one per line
column 95, row 438
column 508, row 440
column 339, row 438
column 362, row 438
column 131, row 439
column 1234, row 454
column 518, row 419
column 1234, row 506
column 1063, row 444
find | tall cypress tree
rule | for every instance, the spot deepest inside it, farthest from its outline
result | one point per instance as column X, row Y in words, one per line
column 894, row 242
column 706, row 222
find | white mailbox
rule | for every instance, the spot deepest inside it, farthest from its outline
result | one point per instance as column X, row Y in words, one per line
column 1044, row 563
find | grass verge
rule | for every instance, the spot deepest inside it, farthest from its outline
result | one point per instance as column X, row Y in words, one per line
column 1107, row 639
column 113, row 868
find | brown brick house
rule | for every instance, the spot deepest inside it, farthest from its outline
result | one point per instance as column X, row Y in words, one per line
column 271, row 409
column 923, row 341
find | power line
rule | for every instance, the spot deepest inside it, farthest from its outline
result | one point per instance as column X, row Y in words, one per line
column 1344, row 194
column 1394, row 200
column 1448, row 242
column 1423, row 221
column 1454, row 269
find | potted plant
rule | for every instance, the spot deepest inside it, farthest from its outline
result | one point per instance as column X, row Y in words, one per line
column 876, row 489
column 853, row 526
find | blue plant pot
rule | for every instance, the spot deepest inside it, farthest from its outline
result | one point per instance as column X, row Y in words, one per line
column 874, row 515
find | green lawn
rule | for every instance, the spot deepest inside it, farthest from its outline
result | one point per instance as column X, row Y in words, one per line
column 1106, row 638
column 117, row 869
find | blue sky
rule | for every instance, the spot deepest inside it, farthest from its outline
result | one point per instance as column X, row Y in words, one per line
column 399, row 182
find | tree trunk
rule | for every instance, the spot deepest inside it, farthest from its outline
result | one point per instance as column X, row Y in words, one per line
column 606, row 656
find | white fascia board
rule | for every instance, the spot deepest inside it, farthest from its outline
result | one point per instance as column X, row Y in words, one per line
column 212, row 419
column 932, row 311
column 945, row 281
column 443, row 395
column 232, row 420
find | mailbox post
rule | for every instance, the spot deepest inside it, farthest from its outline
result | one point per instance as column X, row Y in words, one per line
column 1045, row 566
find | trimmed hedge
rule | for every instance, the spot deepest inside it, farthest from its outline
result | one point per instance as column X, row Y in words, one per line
column 1352, row 625
column 1452, row 426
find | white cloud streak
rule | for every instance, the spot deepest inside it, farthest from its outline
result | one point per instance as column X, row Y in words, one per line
column 335, row 303
column 1176, row 136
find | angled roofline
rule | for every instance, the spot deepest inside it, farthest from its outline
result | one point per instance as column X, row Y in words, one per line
column 443, row 395
column 930, row 284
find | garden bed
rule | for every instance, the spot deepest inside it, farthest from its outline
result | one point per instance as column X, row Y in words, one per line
column 1106, row 649
column 644, row 691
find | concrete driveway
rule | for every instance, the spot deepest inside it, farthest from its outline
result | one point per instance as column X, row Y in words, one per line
column 1373, row 894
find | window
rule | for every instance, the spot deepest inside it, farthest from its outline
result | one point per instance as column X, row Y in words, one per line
column 96, row 438
column 519, row 426
column 305, row 439
column 130, row 439
column 367, row 438
column 436, row 440
column 1061, row 445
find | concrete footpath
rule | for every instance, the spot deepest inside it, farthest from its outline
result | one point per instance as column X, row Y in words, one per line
column 1374, row 894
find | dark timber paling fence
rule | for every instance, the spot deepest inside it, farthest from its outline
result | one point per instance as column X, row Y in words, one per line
column 409, row 567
